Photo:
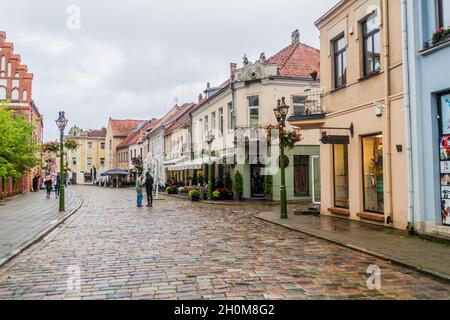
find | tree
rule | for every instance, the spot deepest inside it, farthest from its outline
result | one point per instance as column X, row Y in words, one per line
column 17, row 149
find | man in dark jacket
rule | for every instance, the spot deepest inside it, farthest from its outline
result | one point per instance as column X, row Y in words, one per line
column 149, row 188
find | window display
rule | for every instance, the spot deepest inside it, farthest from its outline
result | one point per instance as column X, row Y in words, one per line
column 444, row 155
column 373, row 174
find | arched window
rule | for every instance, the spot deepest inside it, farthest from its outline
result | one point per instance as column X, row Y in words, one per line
column 9, row 69
column 15, row 94
column 2, row 93
column 3, row 63
column 25, row 95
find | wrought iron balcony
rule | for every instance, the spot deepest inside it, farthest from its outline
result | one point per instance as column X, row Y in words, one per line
column 308, row 108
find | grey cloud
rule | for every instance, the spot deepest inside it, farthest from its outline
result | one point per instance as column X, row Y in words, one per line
column 129, row 58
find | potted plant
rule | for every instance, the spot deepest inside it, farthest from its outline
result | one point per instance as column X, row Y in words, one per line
column 268, row 186
column 216, row 195
column 195, row 195
column 441, row 34
column 237, row 186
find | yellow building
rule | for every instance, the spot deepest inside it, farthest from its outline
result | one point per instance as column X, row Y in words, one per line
column 363, row 156
column 85, row 164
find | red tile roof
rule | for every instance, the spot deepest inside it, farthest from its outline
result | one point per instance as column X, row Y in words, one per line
column 134, row 135
column 297, row 60
column 97, row 133
column 122, row 128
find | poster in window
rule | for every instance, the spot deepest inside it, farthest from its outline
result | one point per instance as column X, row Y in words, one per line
column 445, row 179
column 445, row 166
column 445, row 114
column 445, row 208
column 445, row 193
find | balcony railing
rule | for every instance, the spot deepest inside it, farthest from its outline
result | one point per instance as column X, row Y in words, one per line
column 309, row 108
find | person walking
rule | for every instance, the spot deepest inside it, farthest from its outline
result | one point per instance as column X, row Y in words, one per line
column 48, row 186
column 149, row 188
column 57, row 186
column 140, row 197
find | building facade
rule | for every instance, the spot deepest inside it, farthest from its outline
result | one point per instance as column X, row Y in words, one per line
column 363, row 152
column 16, row 88
column 237, row 112
column 87, row 162
column 116, row 132
column 427, row 88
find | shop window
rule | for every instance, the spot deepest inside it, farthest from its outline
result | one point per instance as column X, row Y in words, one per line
column 340, row 172
column 444, row 155
column 372, row 149
column 371, row 45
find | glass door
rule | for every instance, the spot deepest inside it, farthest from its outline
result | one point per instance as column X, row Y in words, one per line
column 257, row 181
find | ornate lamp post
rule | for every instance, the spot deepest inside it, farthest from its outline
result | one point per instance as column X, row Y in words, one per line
column 61, row 122
column 281, row 112
column 209, row 140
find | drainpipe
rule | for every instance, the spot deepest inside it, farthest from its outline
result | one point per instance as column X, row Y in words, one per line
column 407, row 89
column 387, row 84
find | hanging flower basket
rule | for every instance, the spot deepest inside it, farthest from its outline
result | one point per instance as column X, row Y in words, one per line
column 51, row 146
column 71, row 145
column 289, row 137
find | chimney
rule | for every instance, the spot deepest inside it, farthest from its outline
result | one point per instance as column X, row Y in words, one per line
column 208, row 85
column 295, row 36
column 262, row 58
column 233, row 68
column 200, row 98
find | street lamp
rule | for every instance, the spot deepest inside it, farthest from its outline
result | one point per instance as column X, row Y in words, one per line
column 61, row 122
column 209, row 140
column 281, row 112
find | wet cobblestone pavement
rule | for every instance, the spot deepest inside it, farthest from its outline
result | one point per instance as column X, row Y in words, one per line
column 183, row 250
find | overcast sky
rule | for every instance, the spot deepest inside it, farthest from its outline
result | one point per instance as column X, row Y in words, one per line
column 134, row 58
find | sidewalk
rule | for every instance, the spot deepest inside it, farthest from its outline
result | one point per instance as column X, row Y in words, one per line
column 432, row 258
column 25, row 219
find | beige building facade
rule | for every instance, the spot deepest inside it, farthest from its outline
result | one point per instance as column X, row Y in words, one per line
column 363, row 161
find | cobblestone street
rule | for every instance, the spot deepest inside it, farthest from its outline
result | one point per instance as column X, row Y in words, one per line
column 183, row 250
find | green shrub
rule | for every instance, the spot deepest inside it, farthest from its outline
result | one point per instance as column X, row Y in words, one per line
column 194, row 193
column 238, row 184
column 268, row 184
column 216, row 195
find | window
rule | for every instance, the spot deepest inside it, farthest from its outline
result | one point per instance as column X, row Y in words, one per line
column 74, row 161
column 15, row 94
column 340, row 62
column 102, row 161
column 230, row 116
column 221, row 121
column 89, row 161
column 200, row 129
column 443, row 104
column 110, row 144
column 102, row 146
column 340, row 172
column 253, row 107
column 206, row 125
column 373, row 173
column 443, row 13
column 371, row 45
column 2, row 93
column 89, row 145
column 298, row 103
column 213, row 121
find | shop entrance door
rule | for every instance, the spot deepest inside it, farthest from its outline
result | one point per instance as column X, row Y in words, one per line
column 257, row 181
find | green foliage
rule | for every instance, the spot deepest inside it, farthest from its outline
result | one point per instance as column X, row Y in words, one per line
column 17, row 151
column 238, row 182
column 268, row 184
column 228, row 183
column 216, row 195
column 194, row 193
column 71, row 145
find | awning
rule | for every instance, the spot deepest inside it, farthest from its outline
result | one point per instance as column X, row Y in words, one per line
column 195, row 164
column 115, row 172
